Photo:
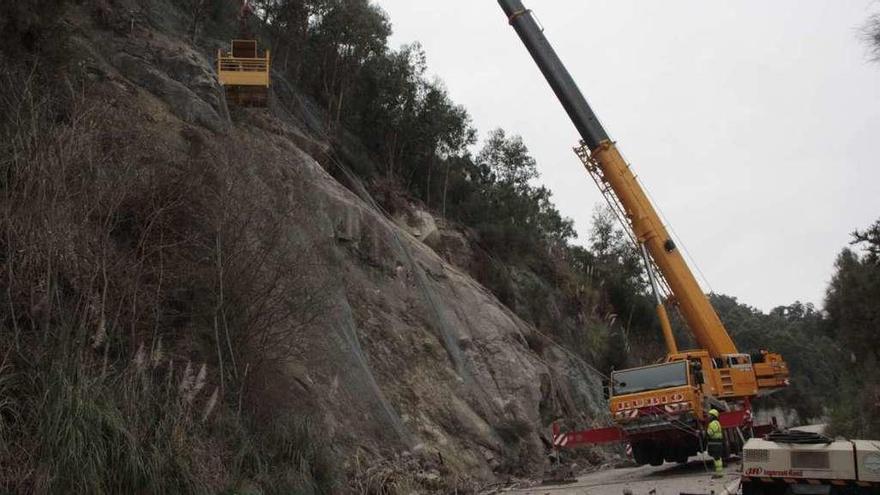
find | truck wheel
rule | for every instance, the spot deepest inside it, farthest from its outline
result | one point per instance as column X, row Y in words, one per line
column 656, row 457
column 677, row 454
column 642, row 452
column 763, row 488
column 752, row 489
column 681, row 456
column 648, row 452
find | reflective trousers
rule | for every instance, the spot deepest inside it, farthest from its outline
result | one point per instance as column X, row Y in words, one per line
column 716, row 451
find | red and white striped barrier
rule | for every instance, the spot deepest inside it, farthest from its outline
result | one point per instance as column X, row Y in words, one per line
column 560, row 440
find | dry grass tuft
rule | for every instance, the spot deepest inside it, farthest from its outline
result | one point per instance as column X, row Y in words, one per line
column 121, row 259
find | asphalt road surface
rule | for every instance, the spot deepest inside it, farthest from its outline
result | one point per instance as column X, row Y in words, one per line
column 694, row 477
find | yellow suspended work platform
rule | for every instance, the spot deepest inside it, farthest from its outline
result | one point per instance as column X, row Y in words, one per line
column 244, row 73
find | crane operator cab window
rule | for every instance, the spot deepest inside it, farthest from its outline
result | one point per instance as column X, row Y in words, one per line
column 738, row 361
column 633, row 381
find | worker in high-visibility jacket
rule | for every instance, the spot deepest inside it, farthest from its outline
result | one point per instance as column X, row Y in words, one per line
column 715, row 435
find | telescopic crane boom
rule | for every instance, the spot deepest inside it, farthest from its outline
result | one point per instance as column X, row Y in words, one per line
column 644, row 220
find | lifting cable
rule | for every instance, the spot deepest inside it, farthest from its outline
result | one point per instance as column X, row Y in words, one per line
column 678, row 241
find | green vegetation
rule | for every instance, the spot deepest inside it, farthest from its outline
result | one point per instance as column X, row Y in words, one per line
column 133, row 296
column 593, row 300
column 131, row 301
column 833, row 354
column 140, row 317
column 800, row 333
column 29, row 27
column 854, row 318
column 417, row 144
column 871, row 34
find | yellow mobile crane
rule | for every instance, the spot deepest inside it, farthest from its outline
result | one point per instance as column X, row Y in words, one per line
column 660, row 410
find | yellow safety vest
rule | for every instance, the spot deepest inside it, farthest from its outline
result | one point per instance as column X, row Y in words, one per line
column 714, row 430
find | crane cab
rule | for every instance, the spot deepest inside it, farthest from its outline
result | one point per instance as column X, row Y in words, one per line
column 244, row 73
column 735, row 375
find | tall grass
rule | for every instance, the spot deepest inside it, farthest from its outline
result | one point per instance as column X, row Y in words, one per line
column 87, row 445
column 9, row 409
column 292, row 457
column 133, row 300
column 69, row 430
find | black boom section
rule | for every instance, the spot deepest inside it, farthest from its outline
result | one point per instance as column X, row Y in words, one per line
column 554, row 71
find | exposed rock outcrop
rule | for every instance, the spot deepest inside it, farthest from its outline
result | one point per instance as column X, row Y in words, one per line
column 408, row 353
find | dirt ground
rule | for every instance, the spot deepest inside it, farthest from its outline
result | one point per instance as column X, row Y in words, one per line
column 694, row 477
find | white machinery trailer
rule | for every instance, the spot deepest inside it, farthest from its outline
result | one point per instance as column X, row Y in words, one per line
column 797, row 463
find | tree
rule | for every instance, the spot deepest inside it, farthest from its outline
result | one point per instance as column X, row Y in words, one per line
column 30, row 26
column 519, row 218
column 620, row 271
column 509, row 160
column 870, row 238
column 851, row 302
column 854, row 317
column 555, row 228
column 387, row 101
column 441, row 129
column 815, row 360
column 343, row 36
column 615, row 251
column 287, row 22
column 197, row 11
column 871, row 33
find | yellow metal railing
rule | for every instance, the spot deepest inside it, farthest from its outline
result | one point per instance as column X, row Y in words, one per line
column 240, row 71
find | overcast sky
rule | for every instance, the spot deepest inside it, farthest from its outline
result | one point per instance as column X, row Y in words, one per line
column 755, row 125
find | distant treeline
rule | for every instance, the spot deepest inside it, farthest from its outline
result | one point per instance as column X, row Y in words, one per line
column 833, row 354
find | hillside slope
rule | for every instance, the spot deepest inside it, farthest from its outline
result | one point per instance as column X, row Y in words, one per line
column 198, row 237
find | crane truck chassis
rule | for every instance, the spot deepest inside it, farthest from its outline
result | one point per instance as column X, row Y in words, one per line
column 660, row 410
column 667, row 426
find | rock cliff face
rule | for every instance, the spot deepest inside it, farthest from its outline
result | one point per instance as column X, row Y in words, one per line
column 405, row 353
